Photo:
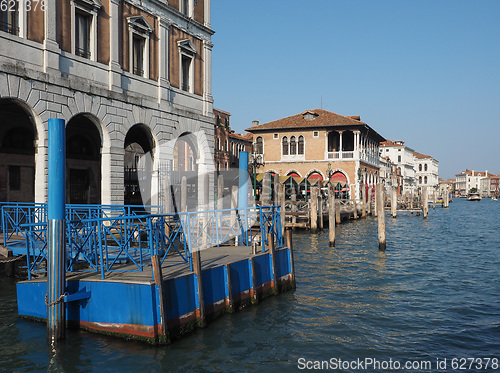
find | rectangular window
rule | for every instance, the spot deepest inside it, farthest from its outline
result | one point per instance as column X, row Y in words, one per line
column 185, row 7
column 276, row 136
column 14, row 177
column 82, row 34
column 186, row 65
column 9, row 17
column 138, row 55
column 316, row 134
column 399, row 159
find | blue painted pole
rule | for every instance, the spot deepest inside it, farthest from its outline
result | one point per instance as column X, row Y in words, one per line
column 56, row 234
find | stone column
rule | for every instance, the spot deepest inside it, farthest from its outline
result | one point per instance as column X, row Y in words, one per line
column 163, row 60
column 51, row 48
column 207, row 77
column 114, row 68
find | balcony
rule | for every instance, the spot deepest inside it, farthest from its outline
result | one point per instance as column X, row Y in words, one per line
column 352, row 155
column 347, row 155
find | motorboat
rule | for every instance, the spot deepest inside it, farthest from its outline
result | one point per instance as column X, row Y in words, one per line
column 473, row 197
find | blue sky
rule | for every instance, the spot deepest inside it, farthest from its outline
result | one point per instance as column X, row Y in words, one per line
column 425, row 72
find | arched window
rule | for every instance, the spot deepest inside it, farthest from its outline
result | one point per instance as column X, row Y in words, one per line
column 425, row 167
column 260, row 145
column 218, row 143
column 300, row 149
column 226, row 148
column 425, row 179
column 420, row 167
column 420, row 179
column 293, row 146
column 285, row 145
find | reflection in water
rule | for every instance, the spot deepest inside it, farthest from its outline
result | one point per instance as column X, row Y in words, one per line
column 433, row 294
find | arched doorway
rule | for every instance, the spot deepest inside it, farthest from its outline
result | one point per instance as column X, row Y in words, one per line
column 83, row 160
column 138, row 169
column 17, row 147
column 185, row 165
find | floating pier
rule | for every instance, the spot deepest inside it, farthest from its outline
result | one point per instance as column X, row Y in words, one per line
column 156, row 277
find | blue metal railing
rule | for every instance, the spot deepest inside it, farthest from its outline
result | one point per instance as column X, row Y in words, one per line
column 126, row 243
column 16, row 214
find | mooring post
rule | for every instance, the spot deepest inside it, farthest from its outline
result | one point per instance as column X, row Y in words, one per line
column 331, row 216
column 313, row 212
column 434, row 200
column 369, row 201
column 394, row 202
column 381, row 217
column 320, row 205
column 281, row 197
column 338, row 219
column 376, row 202
column 355, row 210
column 446, row 199
column 200, row 300
column 363, row 199
column 158, row 277
column 290, row 247
column 425, row 202
column 56, row 234
column 270, row 242
column 294, row 208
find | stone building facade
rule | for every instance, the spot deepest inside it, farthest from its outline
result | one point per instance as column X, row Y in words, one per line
column 319, row 144
column 129, row 77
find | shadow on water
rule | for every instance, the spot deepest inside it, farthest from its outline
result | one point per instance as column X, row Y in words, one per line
column 433, row 294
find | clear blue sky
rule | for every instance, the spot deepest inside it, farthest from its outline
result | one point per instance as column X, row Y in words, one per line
column 425, row 72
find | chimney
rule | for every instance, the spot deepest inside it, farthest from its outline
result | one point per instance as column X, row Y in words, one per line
column 255, row 123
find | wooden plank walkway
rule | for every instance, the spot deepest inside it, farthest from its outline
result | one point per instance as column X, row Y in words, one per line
column 172, row 267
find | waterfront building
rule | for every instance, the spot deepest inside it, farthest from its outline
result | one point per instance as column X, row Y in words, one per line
column 319, row 144
column 488, row 185
column 228, row 144
column 466, row 180
column 426, row 170
column 390, row 175
column 401, row 155
column 127, row 76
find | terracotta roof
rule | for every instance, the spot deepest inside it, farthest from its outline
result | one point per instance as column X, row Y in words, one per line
column 242, row 136
column 310, row 118
column 420, row 155
column 387, row 143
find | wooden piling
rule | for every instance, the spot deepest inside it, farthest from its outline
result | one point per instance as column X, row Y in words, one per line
column 158, row 278
column 200, row 310
column 337, row 212
column 355, row 211
column 394, row 202
column 320, row 205
column 369, row 201
column 331, row 216
column 294, row 208
column 425, row 202
column 380, row 216
column 289, row 240
column 313, row 212
column 363, row 201
column 281, row 202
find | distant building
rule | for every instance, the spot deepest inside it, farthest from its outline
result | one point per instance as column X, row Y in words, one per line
column 488, row 185
column 426, row 170
column 319, row 144
column 402, row 156
column 228, row 144
column 466, row 180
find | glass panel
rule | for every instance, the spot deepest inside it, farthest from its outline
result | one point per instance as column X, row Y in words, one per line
column 138, row 55
column 82, row 34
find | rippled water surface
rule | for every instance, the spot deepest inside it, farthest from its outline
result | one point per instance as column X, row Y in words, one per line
column 434, row 294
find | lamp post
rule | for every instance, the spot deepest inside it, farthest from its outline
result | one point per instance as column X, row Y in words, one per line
column 256, row 160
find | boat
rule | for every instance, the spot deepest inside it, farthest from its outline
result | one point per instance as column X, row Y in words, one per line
column 493, row 198
column 473, row 197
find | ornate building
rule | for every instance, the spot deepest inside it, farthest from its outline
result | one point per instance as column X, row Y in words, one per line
column 127, row 76
column 319, row 144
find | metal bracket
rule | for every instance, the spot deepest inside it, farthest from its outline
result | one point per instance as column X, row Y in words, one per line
column 82, row 294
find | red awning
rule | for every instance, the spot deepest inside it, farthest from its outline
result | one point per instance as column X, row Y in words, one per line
column 315, row 176
column 339, row 177
column 293, row 174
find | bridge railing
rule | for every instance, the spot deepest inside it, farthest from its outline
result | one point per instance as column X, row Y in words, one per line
column 126, row 243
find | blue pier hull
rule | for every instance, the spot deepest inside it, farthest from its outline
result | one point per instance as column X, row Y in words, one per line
column 132, row 309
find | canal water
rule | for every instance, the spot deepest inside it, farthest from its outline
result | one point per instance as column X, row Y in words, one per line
column 432, row 301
